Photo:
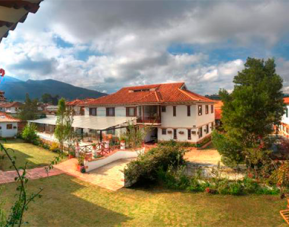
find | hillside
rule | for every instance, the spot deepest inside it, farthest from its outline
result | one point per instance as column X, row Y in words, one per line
column 16, row 89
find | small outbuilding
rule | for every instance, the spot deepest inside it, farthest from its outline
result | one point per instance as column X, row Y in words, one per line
column 8, row 126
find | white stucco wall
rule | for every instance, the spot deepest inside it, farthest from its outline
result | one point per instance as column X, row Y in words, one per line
column 182, row 122
column 7, row 133
column 284, row 118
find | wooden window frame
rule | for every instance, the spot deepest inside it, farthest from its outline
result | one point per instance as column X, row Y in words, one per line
column 189, row 134
column 201, row 132
column 127, row 111
column 107, row 111
column 200, row 110
column 207, row 109
column 164, row 109
column 175, row 134
column 207, row 129
column 188, row 111
column 164, row 131
column 174, row 111
column 9, row 126
column 212, row 108
column 90, row 111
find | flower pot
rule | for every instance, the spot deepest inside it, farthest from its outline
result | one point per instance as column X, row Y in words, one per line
column 70, row 156
column 122, row 145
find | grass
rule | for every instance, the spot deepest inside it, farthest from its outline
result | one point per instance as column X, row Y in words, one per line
column 67, row 201
column 25, row 152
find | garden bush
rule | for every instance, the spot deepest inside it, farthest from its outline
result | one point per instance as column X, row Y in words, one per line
column 145, row 169
column 174, row 143
column 173, row 178
column 29, row 134
column 54, row 147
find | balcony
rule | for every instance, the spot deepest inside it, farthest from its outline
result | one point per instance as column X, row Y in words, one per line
column 149, row 115
column 149, row 120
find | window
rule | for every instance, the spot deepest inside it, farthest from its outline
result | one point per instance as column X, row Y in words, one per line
column 207, row 129
column 200, row 110
column 164, row 109
column 174, row 111
column 188, row 111
column 92, row 111
column 9, row 126
column 189, row 134
column 287, row 112
column 200, row 132
column 111, row 131
column 175, row 134
column 164, row 131
column 212, row 108
column 207, row 109
column 131, row 111
column 110, row 112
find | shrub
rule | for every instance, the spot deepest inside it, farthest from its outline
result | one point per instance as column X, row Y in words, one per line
column 29, row 134
column 145, row 169
column 54, row 147
column 175, row 143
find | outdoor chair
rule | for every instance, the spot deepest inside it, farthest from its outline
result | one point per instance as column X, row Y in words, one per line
column 285, row 213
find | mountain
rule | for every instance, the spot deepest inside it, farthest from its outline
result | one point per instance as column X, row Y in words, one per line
column 16, row 89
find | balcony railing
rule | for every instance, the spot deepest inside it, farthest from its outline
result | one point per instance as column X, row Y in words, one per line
column 151, row 120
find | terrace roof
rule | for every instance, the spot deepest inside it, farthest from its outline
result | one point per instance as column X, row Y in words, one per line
column 89, row 122
column 14, row 11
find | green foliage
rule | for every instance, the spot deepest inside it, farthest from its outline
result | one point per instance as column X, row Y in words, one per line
column 175, row 178
column 174, row 143
column 64, row 130
column 134, row 136
column 229, row 149
column 145, row 168
column 48, row 98
column 29, row 111
column 250, row 111
column 29, row 134
column 15, row 218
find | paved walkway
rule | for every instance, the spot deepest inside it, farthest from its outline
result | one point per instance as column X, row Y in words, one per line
column 110, row 176
column 206, row 156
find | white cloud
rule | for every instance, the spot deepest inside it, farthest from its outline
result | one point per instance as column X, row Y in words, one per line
column 131, row 39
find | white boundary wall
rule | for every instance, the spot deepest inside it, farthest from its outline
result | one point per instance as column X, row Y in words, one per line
column 92, row 165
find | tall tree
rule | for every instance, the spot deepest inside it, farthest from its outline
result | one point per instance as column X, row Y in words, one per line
column 64, row 130
column 29, row 110
column 254, row 106
column 48, row 98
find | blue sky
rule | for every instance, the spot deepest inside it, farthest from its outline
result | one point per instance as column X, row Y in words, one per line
column 105, row 45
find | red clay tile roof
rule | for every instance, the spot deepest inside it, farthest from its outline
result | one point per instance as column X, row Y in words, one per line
column 149, row 94
column 286, row 100
column 7, row 118
column 10, row 104
column 218, row 110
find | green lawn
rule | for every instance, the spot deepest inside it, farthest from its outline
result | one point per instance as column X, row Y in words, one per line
column 69, row 202
column 25, row 152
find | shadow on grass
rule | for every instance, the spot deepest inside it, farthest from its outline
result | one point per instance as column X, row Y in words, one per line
column 66, row 202
column 32, row 155
column 21, row 159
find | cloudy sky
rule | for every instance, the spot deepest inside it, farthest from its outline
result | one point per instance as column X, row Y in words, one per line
column 106, row 44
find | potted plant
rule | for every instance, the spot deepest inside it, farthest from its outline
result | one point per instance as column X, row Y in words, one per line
column 80, row 160
column 93, row 146
column 71, row 154
column 122, row 142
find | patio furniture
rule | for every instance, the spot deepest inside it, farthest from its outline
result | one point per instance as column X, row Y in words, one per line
column 285, row 215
